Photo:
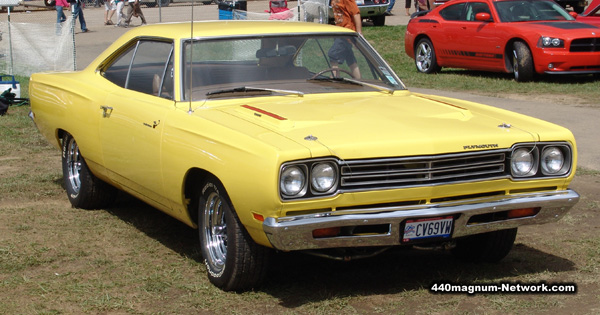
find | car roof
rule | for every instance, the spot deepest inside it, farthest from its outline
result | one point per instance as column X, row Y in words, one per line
column 232, row 28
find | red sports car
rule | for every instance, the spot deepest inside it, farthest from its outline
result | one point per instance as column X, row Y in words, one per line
column 591, row 15
column 523, row 37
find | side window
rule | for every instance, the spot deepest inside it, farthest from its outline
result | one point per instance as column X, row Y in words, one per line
column 145, row 67
column 117, row 72
column 476, row 7
column 453, row 12
column 148, row 66
column 164, row 86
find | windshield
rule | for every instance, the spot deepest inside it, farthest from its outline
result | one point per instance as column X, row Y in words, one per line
column 532, row 10
column 295, row 64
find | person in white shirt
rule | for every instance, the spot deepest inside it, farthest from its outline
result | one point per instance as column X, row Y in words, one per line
column 120, row 14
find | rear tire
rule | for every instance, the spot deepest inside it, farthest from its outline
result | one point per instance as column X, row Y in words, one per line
column 425, row 58
column 84, row 190
column 522, row 62
column 378, row 20
column 234, row 262
column 486, row 247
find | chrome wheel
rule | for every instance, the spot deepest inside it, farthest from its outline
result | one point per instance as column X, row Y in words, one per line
column 214, row 227
column 233, row 260
column 425, row 58
column 515, row 65
column 84, row 189
column 73, row 160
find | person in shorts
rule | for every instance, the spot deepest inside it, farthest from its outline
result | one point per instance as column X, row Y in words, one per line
column 345, row 14
column 109, row 10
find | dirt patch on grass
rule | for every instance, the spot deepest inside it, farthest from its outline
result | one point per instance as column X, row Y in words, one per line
column 551, row 98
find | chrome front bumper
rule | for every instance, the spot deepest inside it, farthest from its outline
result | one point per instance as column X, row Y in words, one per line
column 295, row 232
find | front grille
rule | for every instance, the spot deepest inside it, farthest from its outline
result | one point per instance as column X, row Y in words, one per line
column 585, row 45
column 419, row 171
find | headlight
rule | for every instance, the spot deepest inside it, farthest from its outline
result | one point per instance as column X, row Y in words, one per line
column 554, row 161
column 551, row 42
column 292, row 181
column 523, row 162
column 310, row 178
column 323, row 177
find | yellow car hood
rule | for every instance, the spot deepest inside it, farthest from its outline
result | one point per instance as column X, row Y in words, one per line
column 362, row 125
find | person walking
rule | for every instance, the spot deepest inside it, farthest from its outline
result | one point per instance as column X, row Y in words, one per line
column 134, row 10
column 60, row 15
column 389, row 9
column 77, row 8
column 109, row 10
column 345, row 14
column 120, row 15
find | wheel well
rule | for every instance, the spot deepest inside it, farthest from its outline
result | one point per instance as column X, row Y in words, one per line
column 60, row 134
column 508, row 51
column 194, row 180
column 417, row 39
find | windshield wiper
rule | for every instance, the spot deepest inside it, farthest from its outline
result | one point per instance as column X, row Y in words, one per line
column 357, row 82
column 248, row 89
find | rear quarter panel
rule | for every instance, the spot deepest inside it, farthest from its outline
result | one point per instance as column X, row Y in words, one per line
column 63, row 101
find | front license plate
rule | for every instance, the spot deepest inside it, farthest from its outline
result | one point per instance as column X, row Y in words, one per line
column 426, row 228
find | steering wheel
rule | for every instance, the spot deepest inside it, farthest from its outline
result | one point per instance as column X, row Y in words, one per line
column 332, row 70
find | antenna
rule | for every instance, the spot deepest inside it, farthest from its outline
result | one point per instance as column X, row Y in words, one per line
column 191, row 56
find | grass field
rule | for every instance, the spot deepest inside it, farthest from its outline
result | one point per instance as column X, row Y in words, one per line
column 132, row 259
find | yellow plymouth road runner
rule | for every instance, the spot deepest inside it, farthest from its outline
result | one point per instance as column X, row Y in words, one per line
column 287, row 136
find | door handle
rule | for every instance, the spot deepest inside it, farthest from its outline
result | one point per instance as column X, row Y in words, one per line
column 106, row 110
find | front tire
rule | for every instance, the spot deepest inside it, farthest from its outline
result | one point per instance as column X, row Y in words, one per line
column 84, row 190
column 233, row 261
column 486, row 247
column 425, row 58
column 522, row 62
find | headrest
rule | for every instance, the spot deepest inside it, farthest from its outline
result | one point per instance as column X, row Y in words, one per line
column 288, row 50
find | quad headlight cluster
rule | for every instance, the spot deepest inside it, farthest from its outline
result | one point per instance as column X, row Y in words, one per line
column 308, row 178
column 540, row 160
column 551, row 42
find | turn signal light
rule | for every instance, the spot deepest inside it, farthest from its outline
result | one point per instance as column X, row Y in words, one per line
column 258, row 217
column 521, row 213
column 326, row 232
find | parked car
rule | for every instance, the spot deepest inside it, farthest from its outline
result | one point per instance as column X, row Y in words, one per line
column 373, row 10
column 321, row 10
column 156, row 3
column 250, row 133
column 523, row 37
column 591, row 15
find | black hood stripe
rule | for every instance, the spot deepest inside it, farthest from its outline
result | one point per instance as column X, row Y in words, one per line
column 568, row 25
